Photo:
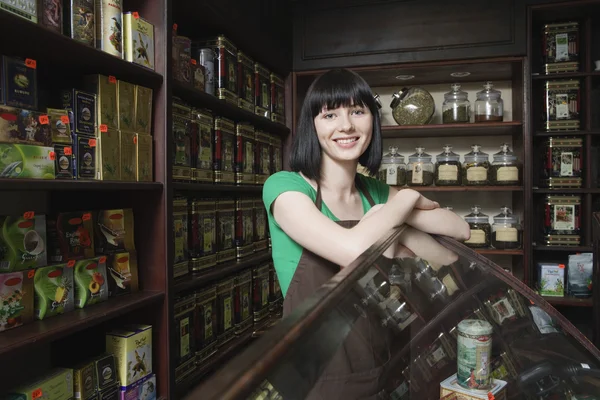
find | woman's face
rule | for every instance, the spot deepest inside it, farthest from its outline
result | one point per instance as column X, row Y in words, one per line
column 345, row 132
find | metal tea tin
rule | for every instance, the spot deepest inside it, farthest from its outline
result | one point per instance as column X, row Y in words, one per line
column 562, row 102
column 181, row 142
column 109, row 20
column 474, row 354
column 224, row 151
column 277, row 99
column 204, row 143
column 206, row 58
column 276, row 154
column 260, row 292
column 180, row 237
column 194, row 133
column 563, row 162
column 476, row 314
column 205, row 324
column 560, row 49
column 225, row 305
column 182, row 54
column 275, row 294
column 225, row 231
column 244, row 154
column 562, row 220
column 262, row 157
column 244, row 227
column 225, row 68
column 245, row 82
column 243, row 301
column 261, row 241
column 203, row 235
column 262, row 91
column 183, row 324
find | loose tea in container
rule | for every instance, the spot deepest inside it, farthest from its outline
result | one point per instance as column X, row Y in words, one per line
column 224, row 151
column 262, row 91
column 226, row 69
column 414, row 106
column 507, row 234
column 276, row 154
column 275, row 293
column 243, row 301
column 393, row 169
column 277, row 99
column 226, row 250
column 181, row 142
column 560, row 48
column 183, row 324
column 225, row 312
column 505, row 169
column 447, row 168
column 204, row 160
column 563, row 162
column 260, row 292
column 245, row 82
column 480, row 228
column 262, row 157
column 180, row 237
column 202, row 234
column 261, row 241
column 420, row 169
column 562, row 102
column 244, row 154
column 562, row 220
column 244, row 227
column 476, row 167
column 205, row 324
column 489, row 106
column 456, row 107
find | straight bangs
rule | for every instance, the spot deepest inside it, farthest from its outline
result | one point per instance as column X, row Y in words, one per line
column 340, row 88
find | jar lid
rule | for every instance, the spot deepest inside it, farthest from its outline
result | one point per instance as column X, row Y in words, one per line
column 477, row 216
column 505, row 154
column 419, row 156
column 397, row 97
column 393, row 157
column 447, row 155
column 488, row 92
column 506, row 216
column 476, row 154
column 378, row 101
column 456, row 93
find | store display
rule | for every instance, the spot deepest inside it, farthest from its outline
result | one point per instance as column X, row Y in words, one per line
column 54, row 291
column 25, row 161
column 56, row 384
column 126, row 92
column 90, row 282
column 181, row 154
column 476, row 167
column 225, row 311
column 474, row 354
column 489, row 106
column 580, row 273
column 224, row 151
column 562, row 102
column 109, row 155
column 144, row 157
column 393, row 169
column 456, row 107
column 243, row 301
column 560, row 50
column 83, row 106
column 562, row 220
column 80, row 21
column 412, row 106
column 262, row 157
column 420, row 169
column 19, row 84
column 70, row 237
column 448, row 168
column 109, row 20
column 180, row 236
column 182, row 54
column 260, row 292
column 206, row 58
column 507, row 233
column 563, row 162
column 132, row 349
column 277, row 99
column 60, row 129
column 143, row 110
column 226, row 250
column 505, row 169
column 129, row 162
column 63, row 161
column 202, row 235
column 138, row 40
column 203, row 171
column 261, row 241
column 244, row 227
column 205, row 328
column 184, row 350
column 17, row 297
column 245, row 82
column 225, row 68
column 262, row 87
column 22, row 242
column 551, row 279
column 481, row 230
column 244, row 154
column 26, row 9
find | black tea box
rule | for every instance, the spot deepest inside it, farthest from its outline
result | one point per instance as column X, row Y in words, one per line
column 63, row 161
column 19, row 83
column 83, row 106
column 84, row 155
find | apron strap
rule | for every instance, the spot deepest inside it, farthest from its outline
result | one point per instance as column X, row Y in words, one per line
column 359, row 185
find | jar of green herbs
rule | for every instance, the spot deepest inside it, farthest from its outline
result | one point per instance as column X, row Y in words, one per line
column 420, row 169
column 476, row 167
column 447, row 168
column 456, row 107
column 393, row 169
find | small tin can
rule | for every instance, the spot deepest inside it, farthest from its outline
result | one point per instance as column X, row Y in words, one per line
column 198, row 75
column 203, row 235
column 276, row 154
column 63, row 161
column 225, row 306
column 474, row 345
column 224, row 151
column 183, row 324
column 277, row 99
column 562, row 220
column 260, row 292
column 194, row 132
column 563, row 162
column 476, row 314
column 262, row 157
column 243, row 301
column 245, row 82
column 244, row 154
column 109, row 20
column 226, row 68
column 80, row 21
column 562, row 102
column 204, row 152
column 181, row 138
column 560, row 49
column 225, row 231
column 275, row 294
column 205, row 324
column 244, row 227
column 182, row 54
column 206, row 58
column 262, row 91
column 180, row 237
column 261, row 241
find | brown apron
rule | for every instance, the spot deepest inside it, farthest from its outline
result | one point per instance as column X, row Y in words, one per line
column 356, row 368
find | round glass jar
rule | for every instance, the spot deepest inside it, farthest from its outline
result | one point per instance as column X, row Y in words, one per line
column 414, row 106
column 480, row 229
column 507, row 234
column 476, row 167
column 489, row 106
column 448, row 168
column 456, row 107
column 393, row 168
column 505, row 170
column 420, row 169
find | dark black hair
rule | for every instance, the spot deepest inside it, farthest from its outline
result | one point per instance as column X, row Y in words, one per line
column 336, row 88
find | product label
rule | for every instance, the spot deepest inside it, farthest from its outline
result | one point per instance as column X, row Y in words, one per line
column 562, row 106
column 564, row 218
column 391, row 177
column 566, row 163
column 507, row 235
column 208, row 235
column 448, row 173
column 562, row 47
column 474, row 354
column 477, row 237
column 508, row 174
column 184, row 337
column 208, row 325
column 417, row 173
column 503, row 310
column 477, row 174
column 227, row 314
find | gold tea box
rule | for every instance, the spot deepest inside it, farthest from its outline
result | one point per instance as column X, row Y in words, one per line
column 138, row 35
column 84, row 380
column 224, row 155
column 80, row 21
column 128, row 156
column 122, row 271
column 56, row 385
column 109, row 20
column 59, row 125
column 244, row 227
column 109, row 156
column 27, row 9
column 106, row 90
column 132, row 348
column 225, row 230
column 126, row 106
column 244, row 154
column 51, row 15
column 143, row 109
column 144, row 158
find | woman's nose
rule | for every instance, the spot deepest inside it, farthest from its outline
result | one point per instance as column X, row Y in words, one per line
column 345, row 124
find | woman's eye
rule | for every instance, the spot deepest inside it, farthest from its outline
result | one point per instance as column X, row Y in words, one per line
column 328, row 116
column 358, row 112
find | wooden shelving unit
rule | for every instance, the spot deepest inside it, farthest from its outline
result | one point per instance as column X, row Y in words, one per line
column 453, row 130
column 463, row 188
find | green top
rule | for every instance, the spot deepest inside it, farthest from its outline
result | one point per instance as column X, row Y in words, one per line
column 286, row 252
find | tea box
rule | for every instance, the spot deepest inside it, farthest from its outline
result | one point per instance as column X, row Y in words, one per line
column 563, row 162
column 244, row 227
column 262, row 157
column 25, row 9
column 262, row 90
column 84, row 156
column 198, row 75
column 143, row 110
column 60, row 129
column 138, row 40
column 70, row 237
column 105, row 372
column 54, row 291
column 90, row 282
column 144, row 389
column 260, row 292
column 450, row 387
column 261, row 241
column 275, row 293
column 204, row 152
column 193, row 132
column 132, row 347
column 56, row 385
column 22, row 242
column 83, row 106
column 505, row 307
column 145, row 166
column 16, row 295
column 128, row 156
column 244, row 154
column 63, row 161
column 109, row 20
column 224, row 151
column 245, row 82
column 276, row 155
column 19, row 83
column 205, row 323
column 109, row 155
column 226, row 68
column 551, row 279
column 184, row 350
column 84, row 380
column 562, row 102
column 107, row 94
column 122, row 273
column 202, row 235
column 182, row 54
column 180, row 236
column 562, row 220
column 111, row 393
column 226, row 250
column 225, row 311
column 23, row 126
column 560, row 48
column 51, row 15
column 80, row 21
column 181, row 142
column 126, row 105
column 277, row 99
column 243, row 302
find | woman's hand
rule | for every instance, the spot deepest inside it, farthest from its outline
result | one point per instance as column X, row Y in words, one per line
column 423, row 203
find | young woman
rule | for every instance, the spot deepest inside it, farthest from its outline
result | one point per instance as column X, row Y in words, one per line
column 323, row 215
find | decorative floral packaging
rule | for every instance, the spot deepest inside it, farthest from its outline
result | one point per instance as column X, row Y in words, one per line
column 560, row 49
column 562, row 102
column 80, row 21
column 90, row 282
column 261, row 241
column 183, row 324
column 17, row 297
column 244, row 154
column 262, row 157
column 109, row 22
column 277, row 99
column 202, row 235
column 22, row 242
column 224, row 151
column 563, row 162
column 181, row 142
column 204, row 158
column 244, row 227
column 205, row 324
column 23, row 126
column 243, row 301
column 138, row 40
column 54, row 291
column 225, row 311
column 275, row 294
column 226, row 68
column 180, row 236
column 562, row 220
column 71, row 237
column 505, row 169
column 245, row 82
column 262, row 90
column 551, row 279
column 132, row 348
column 226, row 250
column 260, row 292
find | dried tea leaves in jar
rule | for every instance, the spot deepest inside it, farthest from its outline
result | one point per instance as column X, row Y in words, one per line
column 505, row 169
column 393, row 170
column 480, row 228
column 420, row 169
column 476, row 167
column 456, row 107
column 447, row 168
column 507, row 234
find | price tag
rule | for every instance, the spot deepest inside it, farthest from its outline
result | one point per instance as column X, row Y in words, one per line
column 135, row 15
column 102, row 260
column 193, row 61
column 71, row 263
column 52, row 155
column 135, row 139
column 103, row 128
column 68, row 151
column 29, row 215
column 92, row 142
column 86, row 216
column 64, row 119
column 30, row 275
column 44, row 120
column 30, row 63
column 112, row 79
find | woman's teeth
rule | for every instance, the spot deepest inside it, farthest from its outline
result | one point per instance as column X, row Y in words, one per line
column 346, row 141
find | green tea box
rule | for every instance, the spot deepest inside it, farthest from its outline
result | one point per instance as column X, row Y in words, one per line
column 90, row 282
column 551, row 279
column 132, row 347
column 26, row 161
column 56, row 385
column 107, row 95
column 22, row 242
column 16, row 296
column 54, row 291
column 126, row 103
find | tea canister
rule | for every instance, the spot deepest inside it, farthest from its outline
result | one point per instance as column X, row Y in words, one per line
column 563, row 161
column 226, row 70
column 481, row 229
column 420, row 169
column 204, row 159
column 505, row 169
column 182, row 54
column 224, row 151
column 262, row 91
column 562, row 220
column 507, row 233
column 225, row 230
column 456, row 107
column 244, row 154
column 489, row 106
column 562, row 102
column 474, row 345
column 206, row 58
column 181, row 139
column 243, row 302
column 275, row 293
column 245, row 82
column 393, row 169
column 244, row 227
column 202, row 235
column 183, row 326
column 180, row 236
column 260, row 292
column 412, row 106
column 198, row 75
column 194, row 133
column 476, row 167
column 261, row 241
column 447, row 168
column 277, row 99
column 225, row 327
column 205, row 324
column 262, row 157
column 276, row 154
column 560, row 49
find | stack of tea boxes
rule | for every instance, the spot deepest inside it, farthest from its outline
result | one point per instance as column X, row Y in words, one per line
column 98, row 131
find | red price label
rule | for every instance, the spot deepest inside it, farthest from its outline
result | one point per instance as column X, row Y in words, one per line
column 103, row 128
column 135, row 15
column 64, row 119
column 29, row 215
column 86, row 216
column 175, row 27
column 112, row 79
column 44, row 120
column 30, row 275
column 71, row 263
column 68, row 151
column 92, row 142
column 135, row 139
column 102, row 260
column 193, row 61
column 52, row 155
column 31, row 63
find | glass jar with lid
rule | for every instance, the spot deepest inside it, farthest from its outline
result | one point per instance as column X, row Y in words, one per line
column 412, row 106
column 480, row 228
column 456, row 107
column 420, row 169
column 393, row 168
column 507, row 234
column 448, row 168
column 489, row 106
column 476, row 167
column 506, row 170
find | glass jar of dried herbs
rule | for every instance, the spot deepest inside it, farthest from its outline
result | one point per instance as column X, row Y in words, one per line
column 563, row 160
column 414, row 106
column 476, row 167
column 420, row 169
column 505, row 170
column 456, row 107
column 393, row 168
column 562, row 101
column 447, row 168
column 480, row 228
column 489, row 106
column 507, row 233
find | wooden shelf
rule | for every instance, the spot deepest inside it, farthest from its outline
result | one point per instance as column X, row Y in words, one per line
column 574, row 249
column 561, row 191
column 216, row 188
column 562, row 75
column 569, row 301
column 193, row 281
column 567, row 133
column 452, row 130
column 69, row 185
column 463, row 188
column 200, row 99
column 495, row 252
column 64, row 325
